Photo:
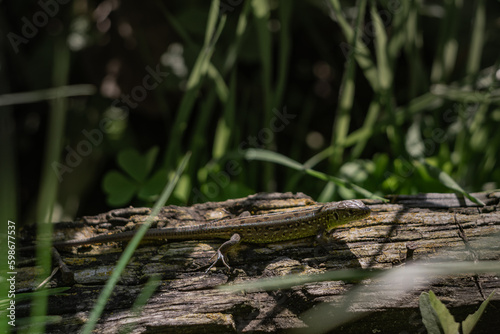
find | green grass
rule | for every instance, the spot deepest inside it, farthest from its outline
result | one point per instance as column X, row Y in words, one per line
column 49, row 185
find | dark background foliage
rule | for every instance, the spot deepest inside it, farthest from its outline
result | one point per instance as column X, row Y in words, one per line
column 412, row 107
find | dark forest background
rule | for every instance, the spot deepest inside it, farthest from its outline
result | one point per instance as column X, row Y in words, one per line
column 101, row 100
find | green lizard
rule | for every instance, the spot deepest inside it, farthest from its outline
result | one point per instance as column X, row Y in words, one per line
column 259, row 229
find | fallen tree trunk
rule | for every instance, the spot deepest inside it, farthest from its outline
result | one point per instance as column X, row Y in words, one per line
column 429, row 227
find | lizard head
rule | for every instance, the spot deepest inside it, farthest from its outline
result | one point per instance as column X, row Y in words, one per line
column 339, row 213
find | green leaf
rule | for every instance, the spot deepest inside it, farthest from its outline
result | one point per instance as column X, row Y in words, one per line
column 435, row 316
column 447, row 321
column 447, row 181
column 152, row 188
column 471, row 320
column 136, row 165
column 150, row 158
column 119, row 188
column 429, row 316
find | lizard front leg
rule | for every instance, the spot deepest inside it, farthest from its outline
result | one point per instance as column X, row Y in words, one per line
column 223, row 249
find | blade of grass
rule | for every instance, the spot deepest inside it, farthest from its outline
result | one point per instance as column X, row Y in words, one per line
column 402, row 277
column 23, row 325
column 9, row 182
column 285, row 14
column 470, row 322
column 295, row 152
column 446, row 53
column 49, row 184
column 52, row 292
column 47, row 94
column 226, row 122
column 198, row 141
column 415, row 106
column 478, row 127
column 324, row 317
column 291, row 280
column 220, row 85
column 403, row 30
column 464, row 94
column 448, row 182
column 346, row 98
column 361, row 52
column 317, row 158
column 141, row 300
column 385, row 77
column 383, row 69
column 421, row 269
column 226, row 126
column 269, row 156
column 195, row 79
column 370, row 125
column 129, row 251
column 176, row 25
column 477, row 39
column 241, row 27
column 261, row 12
column 413, row 45
column 8, row 198
column 461, row 144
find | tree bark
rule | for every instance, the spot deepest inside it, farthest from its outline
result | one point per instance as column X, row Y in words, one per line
column 422, row 228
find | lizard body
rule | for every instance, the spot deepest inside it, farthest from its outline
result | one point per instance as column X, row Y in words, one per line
column 267, row 228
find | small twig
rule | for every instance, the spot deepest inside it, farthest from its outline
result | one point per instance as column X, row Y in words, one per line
column 67, row 275
column 45, row 281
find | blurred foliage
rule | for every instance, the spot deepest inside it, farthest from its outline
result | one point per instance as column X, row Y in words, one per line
column 393, row 97
column 121, row 187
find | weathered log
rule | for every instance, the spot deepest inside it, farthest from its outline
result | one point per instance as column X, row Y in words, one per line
column 426, row 227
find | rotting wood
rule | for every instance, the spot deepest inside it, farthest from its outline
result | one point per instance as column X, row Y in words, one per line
column 431, row 226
